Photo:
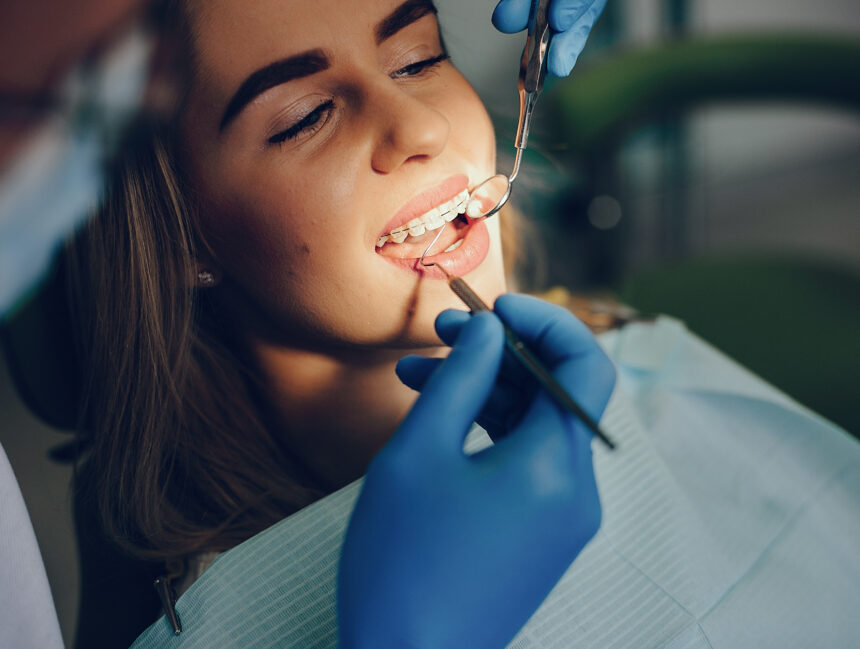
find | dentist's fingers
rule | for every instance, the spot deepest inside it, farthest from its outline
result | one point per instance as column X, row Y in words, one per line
column 550, row 450
column 568, row 349
column 448, row 324
column 563, row 14
column 551, row 331
column 589, row 380
column 566, row 46
column 504, row 407
column 456, row 391
column 414, row 371
column 512, row 16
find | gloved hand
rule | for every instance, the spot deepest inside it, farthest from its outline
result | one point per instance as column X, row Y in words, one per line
column 448, row 550
column 570, row 21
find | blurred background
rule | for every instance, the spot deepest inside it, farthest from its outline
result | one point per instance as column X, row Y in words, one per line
column 702, row 161
column 749, row 171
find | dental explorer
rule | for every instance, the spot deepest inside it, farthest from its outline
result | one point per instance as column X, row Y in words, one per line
column 519, row 350
column 489, row 197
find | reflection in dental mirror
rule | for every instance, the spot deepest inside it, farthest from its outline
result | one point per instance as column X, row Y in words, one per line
column 489, row 197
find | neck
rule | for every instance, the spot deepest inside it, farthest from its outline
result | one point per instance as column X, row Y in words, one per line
column 335, row 412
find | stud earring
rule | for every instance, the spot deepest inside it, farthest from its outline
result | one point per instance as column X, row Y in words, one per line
column 205, row 279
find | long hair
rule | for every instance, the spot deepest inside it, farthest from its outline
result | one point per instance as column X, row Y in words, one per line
column 181, row 458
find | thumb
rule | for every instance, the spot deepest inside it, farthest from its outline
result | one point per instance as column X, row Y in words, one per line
column 454, row 394
column 512, row 16
column 413, row 371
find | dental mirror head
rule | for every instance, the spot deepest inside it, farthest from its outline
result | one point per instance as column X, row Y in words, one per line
column 489, row 197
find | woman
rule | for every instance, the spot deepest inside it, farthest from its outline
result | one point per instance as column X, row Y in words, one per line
column 248, row 318
column 252, row 372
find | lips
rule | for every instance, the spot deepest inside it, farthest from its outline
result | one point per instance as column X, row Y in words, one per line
column 470, row 236
column 473, row 249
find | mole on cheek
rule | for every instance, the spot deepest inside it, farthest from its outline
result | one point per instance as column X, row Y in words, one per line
column 305, row 249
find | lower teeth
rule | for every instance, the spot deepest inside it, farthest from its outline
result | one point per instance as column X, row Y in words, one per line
column 455, row 245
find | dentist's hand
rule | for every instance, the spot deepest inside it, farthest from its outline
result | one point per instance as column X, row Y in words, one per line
column 570, row 20
column 448, row 550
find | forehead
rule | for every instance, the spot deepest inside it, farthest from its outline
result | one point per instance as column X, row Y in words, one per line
column 231, row 37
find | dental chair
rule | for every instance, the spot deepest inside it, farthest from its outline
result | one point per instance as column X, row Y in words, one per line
column 27, row 615
column 794, row 321
column 116, row 594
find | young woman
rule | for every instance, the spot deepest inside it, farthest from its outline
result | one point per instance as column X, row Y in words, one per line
column 241, row 341
column 241, row 318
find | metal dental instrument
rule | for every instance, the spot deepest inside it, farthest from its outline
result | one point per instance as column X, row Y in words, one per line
column 489, row 197
column 492, row 194
column 519, row 350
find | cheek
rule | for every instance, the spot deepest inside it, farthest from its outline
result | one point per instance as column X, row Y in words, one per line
column 472, row 129
column 270, row 219
column 245, row 243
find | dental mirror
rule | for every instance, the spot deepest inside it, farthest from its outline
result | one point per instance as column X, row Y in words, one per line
column 492, row 194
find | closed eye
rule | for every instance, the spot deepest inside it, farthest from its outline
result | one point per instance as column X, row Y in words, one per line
column 315, row 119
column 307, row 125
column 415, row 69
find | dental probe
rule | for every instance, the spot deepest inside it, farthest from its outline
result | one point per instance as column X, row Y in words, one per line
column 519, row 350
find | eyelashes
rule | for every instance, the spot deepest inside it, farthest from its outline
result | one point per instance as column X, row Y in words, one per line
column 316, row 119
column 415, row 69
column 311, row 123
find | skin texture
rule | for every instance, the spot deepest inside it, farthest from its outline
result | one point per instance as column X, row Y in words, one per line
column 292, row 227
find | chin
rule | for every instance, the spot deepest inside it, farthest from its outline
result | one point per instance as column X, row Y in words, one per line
column 488, row 282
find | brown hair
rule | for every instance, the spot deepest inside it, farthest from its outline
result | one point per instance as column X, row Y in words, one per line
column 181, row 458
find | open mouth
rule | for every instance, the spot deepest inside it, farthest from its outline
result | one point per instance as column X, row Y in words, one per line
column 413, row 246
column 462, row 245
column 410, row 240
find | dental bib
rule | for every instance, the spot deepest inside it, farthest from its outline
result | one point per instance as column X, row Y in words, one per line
column 730, row 519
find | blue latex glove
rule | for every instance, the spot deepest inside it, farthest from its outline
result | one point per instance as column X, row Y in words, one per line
column 448, row 550
column 570, row 20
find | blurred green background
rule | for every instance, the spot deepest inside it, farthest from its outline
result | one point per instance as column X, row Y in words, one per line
column 703, row 161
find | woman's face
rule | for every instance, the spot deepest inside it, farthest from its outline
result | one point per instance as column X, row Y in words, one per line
column 314, row 128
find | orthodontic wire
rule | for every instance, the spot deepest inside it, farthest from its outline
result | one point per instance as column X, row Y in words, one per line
column 430, row 247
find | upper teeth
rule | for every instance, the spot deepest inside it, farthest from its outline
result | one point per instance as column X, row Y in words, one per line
column 431, row 220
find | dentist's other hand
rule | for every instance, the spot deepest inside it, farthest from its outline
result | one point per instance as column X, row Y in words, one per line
column 570, row 20
column 449, row 550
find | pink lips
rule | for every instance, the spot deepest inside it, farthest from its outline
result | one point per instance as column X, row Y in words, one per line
column 472, row 251
column 426, row 201
column 475, row 237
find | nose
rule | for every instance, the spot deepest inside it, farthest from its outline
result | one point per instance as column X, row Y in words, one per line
column 409, row 129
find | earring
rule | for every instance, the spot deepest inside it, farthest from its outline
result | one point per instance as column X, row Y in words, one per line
column 205, row 279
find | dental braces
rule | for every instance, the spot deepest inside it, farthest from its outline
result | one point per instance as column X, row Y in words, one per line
column 429, row 221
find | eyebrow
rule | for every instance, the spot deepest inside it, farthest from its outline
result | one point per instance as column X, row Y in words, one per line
column 313, row 61
column 293, row 67
column 404, row 15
